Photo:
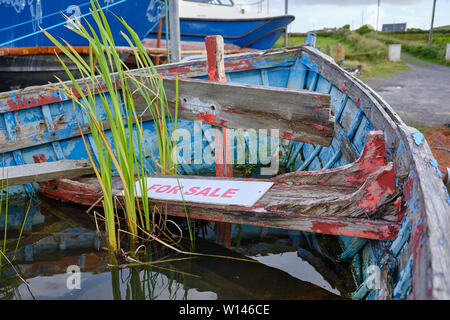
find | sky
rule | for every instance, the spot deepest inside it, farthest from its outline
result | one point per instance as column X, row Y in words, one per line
column 318, row 14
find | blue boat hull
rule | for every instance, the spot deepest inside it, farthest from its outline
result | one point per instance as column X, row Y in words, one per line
column 21, row 21
column 246, row 33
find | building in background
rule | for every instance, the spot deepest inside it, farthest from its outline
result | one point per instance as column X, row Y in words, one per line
column 394, row 27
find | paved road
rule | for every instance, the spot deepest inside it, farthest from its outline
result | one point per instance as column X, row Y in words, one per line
column 421, row 95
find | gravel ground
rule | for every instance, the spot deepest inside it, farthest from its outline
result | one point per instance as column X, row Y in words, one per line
column 421, row 95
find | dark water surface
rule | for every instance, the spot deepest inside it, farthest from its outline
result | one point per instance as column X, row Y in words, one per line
column 286, row 264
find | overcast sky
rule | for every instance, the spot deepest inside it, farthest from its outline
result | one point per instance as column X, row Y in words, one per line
column 317, row 14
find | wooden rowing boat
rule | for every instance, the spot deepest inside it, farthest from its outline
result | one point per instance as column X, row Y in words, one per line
column 373, row 182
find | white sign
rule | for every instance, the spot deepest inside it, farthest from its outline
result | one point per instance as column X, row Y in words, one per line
column 227, row 192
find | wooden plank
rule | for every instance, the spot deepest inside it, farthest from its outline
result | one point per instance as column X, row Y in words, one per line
column 35, row 172
column 428, row 206
column 299, row 115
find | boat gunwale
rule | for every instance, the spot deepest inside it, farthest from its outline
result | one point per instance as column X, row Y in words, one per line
column 428, row 225
column 239, row 19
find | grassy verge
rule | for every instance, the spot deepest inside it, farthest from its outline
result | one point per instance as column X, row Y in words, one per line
column 422, row 128
column 364, row 53
column 416, row 44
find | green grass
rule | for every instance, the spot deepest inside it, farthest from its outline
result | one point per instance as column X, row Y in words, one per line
column 359, row 51
column 377, row 67
column 422, row 128
column 413, row 61
column 370, row 50
column 295, row 40
column 416, row 44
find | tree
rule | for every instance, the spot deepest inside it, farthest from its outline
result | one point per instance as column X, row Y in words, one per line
column 365, row 29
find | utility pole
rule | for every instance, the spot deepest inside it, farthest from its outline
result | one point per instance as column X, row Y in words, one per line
column 430, row 36
column 378, row 16
column 174, row 27
column 286, row 32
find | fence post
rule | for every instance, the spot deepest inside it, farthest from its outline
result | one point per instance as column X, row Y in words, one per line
column 447, row 53
column 394, row 52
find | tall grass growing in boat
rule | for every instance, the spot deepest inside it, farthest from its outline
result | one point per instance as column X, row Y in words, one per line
column 106, row 76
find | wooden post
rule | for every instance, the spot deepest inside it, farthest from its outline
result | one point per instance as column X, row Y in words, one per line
column 174, row 21
column 158, row 40
column 430, row 35
column 286, row 31
column 447, row 52
column 378, row 16
column 216, row 72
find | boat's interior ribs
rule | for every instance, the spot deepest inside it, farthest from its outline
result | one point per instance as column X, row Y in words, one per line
column 354, row 200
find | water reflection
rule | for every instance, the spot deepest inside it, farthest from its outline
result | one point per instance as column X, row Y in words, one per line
column 287, row 265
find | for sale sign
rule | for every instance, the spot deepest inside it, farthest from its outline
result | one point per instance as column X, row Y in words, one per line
column 227, row 192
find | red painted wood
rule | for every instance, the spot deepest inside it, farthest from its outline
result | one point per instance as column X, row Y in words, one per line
column 216, row 72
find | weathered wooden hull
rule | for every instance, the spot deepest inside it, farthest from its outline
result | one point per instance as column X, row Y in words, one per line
column 413, row 265
column 18, row 72
column 32, row 66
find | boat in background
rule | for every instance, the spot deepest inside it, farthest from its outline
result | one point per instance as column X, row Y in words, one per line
column 27, row 55
column 200, row 18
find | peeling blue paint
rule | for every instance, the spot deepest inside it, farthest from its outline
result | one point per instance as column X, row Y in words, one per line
column 402, row 238
column 351, row 246
column 446, row 194
column 435, row 164
column 418, row 138
column 308, row 63
column 13, row 97
column 404, row 285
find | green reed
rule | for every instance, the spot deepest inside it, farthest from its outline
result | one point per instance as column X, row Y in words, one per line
column 106, row 76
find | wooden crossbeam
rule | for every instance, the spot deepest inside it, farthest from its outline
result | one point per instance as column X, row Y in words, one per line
column 299, row 115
